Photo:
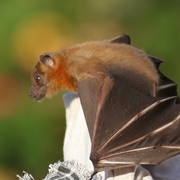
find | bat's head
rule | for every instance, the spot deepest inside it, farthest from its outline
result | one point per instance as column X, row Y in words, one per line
column 49, row 75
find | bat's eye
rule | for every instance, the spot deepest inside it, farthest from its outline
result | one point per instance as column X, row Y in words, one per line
column 38, row 79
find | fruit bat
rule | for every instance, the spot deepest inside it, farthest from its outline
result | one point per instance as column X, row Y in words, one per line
column 132, row 110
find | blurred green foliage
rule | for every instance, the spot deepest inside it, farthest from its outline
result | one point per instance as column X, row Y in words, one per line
column 31, row 133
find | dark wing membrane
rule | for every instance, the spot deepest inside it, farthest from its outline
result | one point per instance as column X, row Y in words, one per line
column 166, row 86
column 124, row 38
column 89, row 89
column 128, row 126
column 148, row 138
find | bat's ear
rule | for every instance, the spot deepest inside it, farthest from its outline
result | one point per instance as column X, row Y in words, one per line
column 47, row 60
column 122, row 39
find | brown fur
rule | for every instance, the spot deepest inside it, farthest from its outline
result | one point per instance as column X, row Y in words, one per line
column 73, row 63
column 112, row 56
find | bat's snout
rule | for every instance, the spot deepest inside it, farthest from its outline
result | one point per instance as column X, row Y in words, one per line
column 37, row 93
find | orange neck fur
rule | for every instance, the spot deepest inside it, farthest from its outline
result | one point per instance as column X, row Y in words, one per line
column 63, row 79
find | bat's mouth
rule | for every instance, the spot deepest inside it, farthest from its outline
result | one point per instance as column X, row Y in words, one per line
column 37, row 93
